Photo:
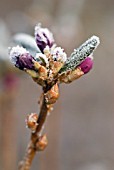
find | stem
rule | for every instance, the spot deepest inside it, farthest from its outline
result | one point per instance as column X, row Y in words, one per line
column 25, row 164
column 42, row 115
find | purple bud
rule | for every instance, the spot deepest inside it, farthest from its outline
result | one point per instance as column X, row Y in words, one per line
column 86, row 65
column 43, row 37
column 25, row 61
column 21, row 58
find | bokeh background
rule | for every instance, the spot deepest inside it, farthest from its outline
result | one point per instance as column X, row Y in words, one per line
column 80, row 130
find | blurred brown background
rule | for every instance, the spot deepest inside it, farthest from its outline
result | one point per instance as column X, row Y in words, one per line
column 80, row 129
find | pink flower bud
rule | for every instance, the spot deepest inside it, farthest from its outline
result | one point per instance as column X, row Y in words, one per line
column 86, row 65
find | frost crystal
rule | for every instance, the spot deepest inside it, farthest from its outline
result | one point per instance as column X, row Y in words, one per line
column 15, row 52
column 58, row 54
column 81, row 53
column 43, row 58
column 43, row 37
column 21, row 58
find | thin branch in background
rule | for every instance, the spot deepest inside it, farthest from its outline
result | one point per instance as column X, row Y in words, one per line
column 49, row 68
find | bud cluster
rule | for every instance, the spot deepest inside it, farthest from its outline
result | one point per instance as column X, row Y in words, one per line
column 49, row 64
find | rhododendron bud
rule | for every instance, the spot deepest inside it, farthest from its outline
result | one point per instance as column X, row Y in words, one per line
column 71, row 75
column 21, row 58
column 43, row 37
column 52, row 95
column 42, row 143
column 31, row 121
column 43, row 59
column 58, row 59
column 58, row 54
column 86, row 65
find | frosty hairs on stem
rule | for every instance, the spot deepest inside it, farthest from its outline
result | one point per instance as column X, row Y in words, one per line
column 48, row 66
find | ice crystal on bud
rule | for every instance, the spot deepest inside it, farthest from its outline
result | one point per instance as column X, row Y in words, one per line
column 47, row 50
column 43, row 37
column 81, row 53
column 43, row 58
column 15, row 52
column 21, row 58
column 58, row 54
column 95, row 41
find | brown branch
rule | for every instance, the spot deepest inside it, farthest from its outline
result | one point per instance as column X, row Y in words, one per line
column 25, row 164
column 30, row 153
column 42, row 115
